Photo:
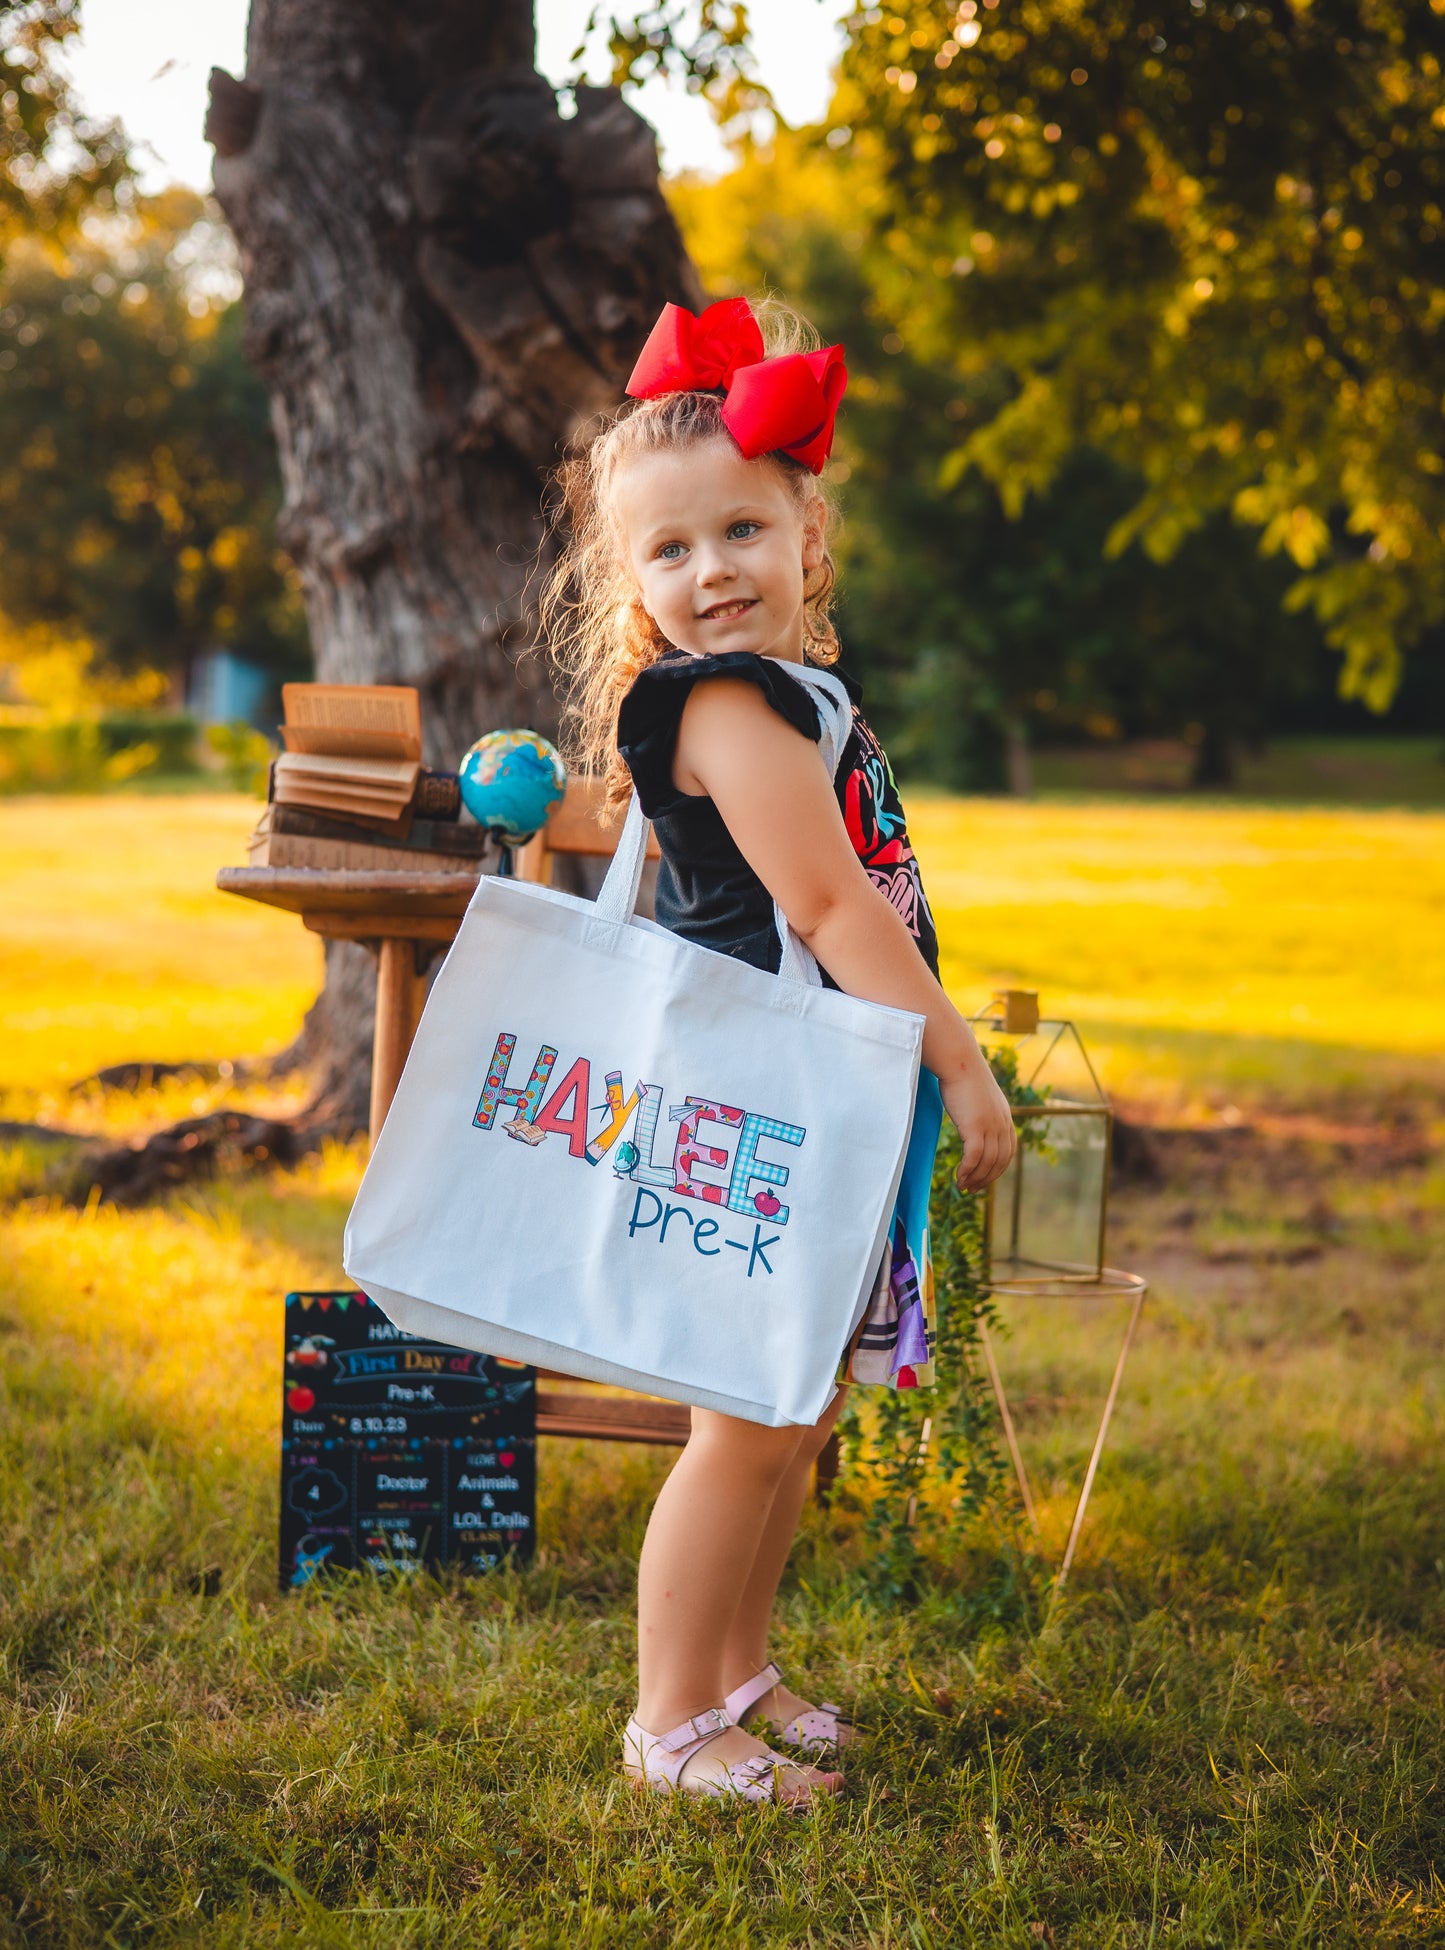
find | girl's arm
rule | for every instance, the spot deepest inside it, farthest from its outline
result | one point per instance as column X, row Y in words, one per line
column 769, row 783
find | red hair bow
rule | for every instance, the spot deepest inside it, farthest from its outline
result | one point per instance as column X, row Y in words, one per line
column 770, row 406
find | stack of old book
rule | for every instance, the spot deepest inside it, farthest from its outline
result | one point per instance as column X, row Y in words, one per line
column 350, row 789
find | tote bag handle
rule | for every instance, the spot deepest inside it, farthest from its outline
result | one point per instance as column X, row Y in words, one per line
column 617, row 898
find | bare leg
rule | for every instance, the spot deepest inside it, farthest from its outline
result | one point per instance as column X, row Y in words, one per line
column 704, row 1534
column 701, row 1541
column 746, row 1649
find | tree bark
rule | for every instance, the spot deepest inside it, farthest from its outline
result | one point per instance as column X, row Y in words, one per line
column 1216, row 762
column 443, row 281
column 1020, row 761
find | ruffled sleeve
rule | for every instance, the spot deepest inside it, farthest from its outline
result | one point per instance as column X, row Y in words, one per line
column 652, row 710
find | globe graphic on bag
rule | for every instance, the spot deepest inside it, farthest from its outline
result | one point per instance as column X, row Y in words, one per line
column 510, row 782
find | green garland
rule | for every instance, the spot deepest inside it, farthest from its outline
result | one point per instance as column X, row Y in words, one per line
column 926, row 1462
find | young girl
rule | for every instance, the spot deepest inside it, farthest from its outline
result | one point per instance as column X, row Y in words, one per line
column 696, row 574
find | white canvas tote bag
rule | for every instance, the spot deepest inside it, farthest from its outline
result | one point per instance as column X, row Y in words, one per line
column 625, row 1156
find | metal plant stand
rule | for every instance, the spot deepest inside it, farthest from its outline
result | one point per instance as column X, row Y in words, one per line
column 1048, row 1213
column 1114, row 1283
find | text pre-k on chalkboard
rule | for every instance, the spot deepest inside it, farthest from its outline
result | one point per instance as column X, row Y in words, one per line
column 398, row 1452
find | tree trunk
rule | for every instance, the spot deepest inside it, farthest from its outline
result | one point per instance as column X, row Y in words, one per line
column 1020, row 760
column 1216, row 762
column 444, row 280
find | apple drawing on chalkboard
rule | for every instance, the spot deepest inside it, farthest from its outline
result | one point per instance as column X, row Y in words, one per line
column 299, row 1400
column 767, row 1204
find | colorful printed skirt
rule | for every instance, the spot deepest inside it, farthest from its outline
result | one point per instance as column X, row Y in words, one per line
column 893, row 1348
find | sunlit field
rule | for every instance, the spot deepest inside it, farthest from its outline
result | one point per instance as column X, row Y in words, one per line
column 1231, row 1729
column 1205, row 950
column 114, row 943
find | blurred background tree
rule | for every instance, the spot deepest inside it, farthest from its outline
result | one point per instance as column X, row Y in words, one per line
column 138, row 477
column 1143, row 313
column 1205, row 241
column 56, row 163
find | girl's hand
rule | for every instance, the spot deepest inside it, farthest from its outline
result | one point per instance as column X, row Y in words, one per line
column 985, row 1123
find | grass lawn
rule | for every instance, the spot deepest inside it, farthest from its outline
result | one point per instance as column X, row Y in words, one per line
column 1229, row 1732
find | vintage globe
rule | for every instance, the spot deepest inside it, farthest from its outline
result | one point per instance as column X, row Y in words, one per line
column 510, row 782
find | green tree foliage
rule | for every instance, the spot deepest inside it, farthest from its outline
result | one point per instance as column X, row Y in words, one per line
column 1204, row 241
column 701, row 43
column 55, row 163
column 138, row 483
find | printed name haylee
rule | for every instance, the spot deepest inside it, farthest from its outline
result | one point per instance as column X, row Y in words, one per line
column 565, row 1111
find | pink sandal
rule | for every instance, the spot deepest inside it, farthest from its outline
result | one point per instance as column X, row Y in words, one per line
column 821, row 1731
column 656, row 1761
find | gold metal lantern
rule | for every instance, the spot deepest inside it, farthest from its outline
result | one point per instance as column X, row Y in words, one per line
column 1047, row 1221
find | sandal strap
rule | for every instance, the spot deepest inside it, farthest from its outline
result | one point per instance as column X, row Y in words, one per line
column 696, row 1732
column 744, row 1698
column 667, row 1754
column 819, row 1728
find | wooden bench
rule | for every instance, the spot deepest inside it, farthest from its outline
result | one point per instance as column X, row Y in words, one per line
column 406, row 918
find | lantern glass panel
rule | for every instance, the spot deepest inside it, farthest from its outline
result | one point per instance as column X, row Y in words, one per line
column 1049, row 1208
column 1049, row 1204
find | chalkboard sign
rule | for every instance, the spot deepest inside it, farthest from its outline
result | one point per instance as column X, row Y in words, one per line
column 399, row 1452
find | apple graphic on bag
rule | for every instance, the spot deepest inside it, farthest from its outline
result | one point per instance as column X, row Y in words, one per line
column 767, row 1204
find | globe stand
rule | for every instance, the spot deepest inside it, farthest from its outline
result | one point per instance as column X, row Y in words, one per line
column 512, row 852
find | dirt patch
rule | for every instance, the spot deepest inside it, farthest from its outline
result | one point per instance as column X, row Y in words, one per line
column 1281, row 1148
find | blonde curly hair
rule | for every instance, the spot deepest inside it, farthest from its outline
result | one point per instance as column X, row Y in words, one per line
column 598, row 632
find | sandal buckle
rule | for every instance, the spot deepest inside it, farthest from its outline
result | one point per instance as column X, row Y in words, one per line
column 714, row 1720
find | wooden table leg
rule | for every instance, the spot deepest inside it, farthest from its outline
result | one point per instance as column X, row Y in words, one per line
column 400, row 991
